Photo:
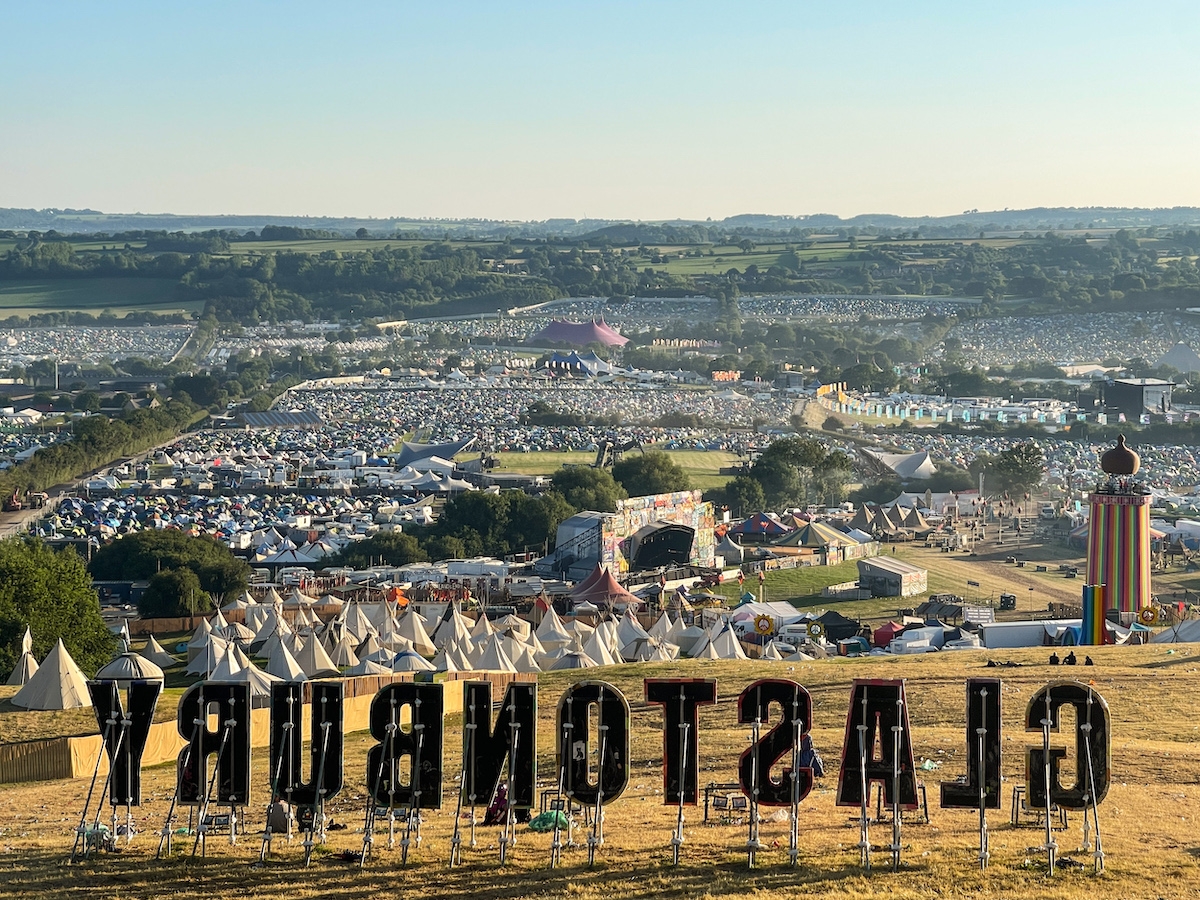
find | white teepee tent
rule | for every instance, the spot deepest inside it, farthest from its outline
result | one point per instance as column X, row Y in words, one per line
column 283, row 665
column 412, row 628
column 24, row 669
column 314, row 660
column 157, row 654
column 57, row 684
column 130, row 667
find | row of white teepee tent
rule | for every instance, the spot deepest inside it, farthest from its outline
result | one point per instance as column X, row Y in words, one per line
column 58, row 683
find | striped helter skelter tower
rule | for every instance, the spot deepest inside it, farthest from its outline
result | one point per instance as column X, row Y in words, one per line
column 1119, row 532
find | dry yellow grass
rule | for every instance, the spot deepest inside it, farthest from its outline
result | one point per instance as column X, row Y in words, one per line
column 1147, row 818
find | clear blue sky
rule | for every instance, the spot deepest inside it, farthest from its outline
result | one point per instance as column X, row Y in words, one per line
column 639, row 110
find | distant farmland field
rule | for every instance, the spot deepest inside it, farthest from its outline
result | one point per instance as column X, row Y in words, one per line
column 119, row 295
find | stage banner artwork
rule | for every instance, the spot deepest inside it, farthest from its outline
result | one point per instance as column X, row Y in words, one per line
column 126, row 734
column 229, row 743
column 421, row 745
column 612, row 739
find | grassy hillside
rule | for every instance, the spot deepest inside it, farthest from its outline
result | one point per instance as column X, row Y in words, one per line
column 1145, row 820
column 119, row 295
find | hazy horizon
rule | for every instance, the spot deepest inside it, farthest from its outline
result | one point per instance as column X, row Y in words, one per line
column 608, row 111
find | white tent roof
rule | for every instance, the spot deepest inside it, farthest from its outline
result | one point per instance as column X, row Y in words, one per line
column 130, row 667
column 235, row 666
column 525, row 661
column 662, row 628
column 454, row 625
column 58, row 683
column 236, row 631
column 1186, row 632
column 411, row 661
column 157, row 654
column 27, row 641
column 551, row 632
column 202, row 629
column 412, row 628
column 458, row 656
column 482, row 627
column 494, row 659
column 242, row 601
column 727, row 646
column 629, row 629
column 314, row 660
column 343, row 652
column 369, row 667
column 660, row 653
column 675, row 635
column 510, row 622
column 693, row 637
column 23, row 670
column 207, row 659
column 356, row 622
column 576, row 659
column 597, row 648
column 283, row 665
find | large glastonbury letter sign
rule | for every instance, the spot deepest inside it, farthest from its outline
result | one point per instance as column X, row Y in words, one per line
column 514, row 739
column 754, row 767
column 681, row 699
column 421, row 744
column 229, row 742
column 125, row 734
column 878, row 716
column 1093, row 746
column 612, row 739
column 325, row 750
column 983, row 750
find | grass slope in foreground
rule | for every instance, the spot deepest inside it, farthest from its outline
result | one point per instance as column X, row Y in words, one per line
column 1147, row 824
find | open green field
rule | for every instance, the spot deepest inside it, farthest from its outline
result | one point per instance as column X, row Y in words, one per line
column 701, row 466
column 717, row 260
column 320, row 245
column 542, row 462
column 80, row 246
column 725, row 258
column 1146, row 820
column 118, row 295
column 948, row 574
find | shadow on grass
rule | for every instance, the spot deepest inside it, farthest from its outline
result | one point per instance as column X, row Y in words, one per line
column 1169, row 661
column 137, row 873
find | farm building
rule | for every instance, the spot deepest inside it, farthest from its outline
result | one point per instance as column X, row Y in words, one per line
column 886, row 576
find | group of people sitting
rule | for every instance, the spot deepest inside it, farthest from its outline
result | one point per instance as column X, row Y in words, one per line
column 1069, row 660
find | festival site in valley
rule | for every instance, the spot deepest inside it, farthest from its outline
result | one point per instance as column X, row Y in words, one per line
column 599, row 451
